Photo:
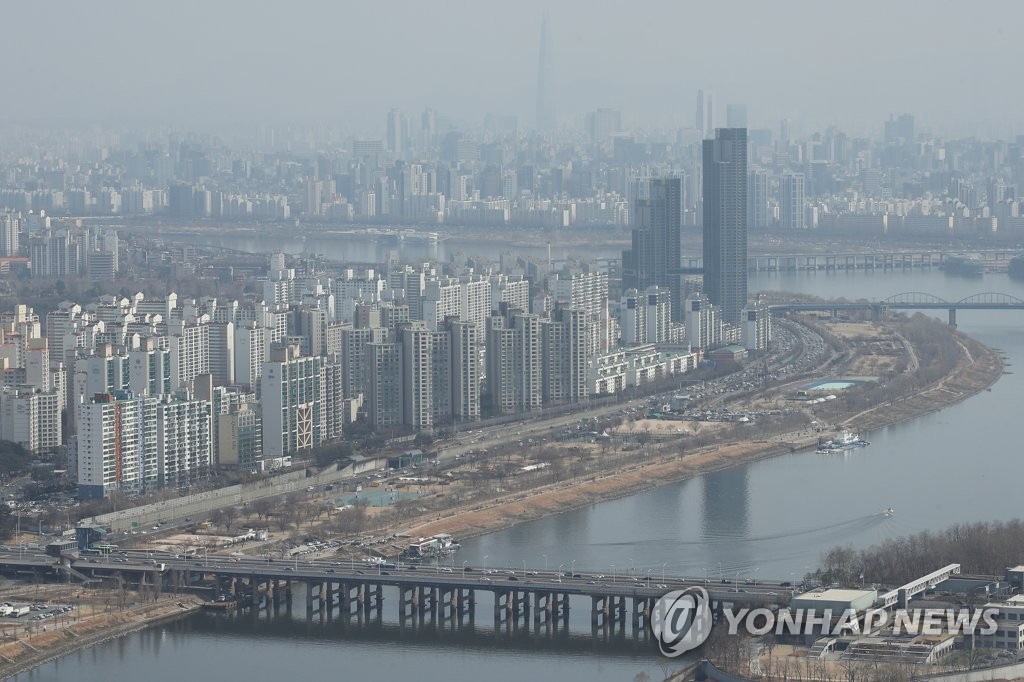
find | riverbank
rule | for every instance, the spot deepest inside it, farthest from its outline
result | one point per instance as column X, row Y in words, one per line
column 29, row 646
column 977, row 368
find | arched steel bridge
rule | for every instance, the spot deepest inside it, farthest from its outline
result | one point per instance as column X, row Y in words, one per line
column 913, row 300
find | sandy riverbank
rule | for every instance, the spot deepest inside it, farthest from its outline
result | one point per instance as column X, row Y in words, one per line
column 978, row 368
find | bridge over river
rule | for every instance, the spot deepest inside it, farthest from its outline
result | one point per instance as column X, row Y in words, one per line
column 910, row 300
column 523, row 600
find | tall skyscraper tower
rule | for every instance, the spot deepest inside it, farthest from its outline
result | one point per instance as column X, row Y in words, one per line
column 545, row 91
column 757, row 199
column 725, row 221
column 736, row 116
column 655, row 258
column 791, row 202
column 706, row 113
column 396, row 132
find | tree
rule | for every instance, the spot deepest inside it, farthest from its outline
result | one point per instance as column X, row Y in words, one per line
column 262, row 507
column 230, row 515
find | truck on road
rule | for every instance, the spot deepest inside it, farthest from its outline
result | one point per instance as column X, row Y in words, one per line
column 19, row 611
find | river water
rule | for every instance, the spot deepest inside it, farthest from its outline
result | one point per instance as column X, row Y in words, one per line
column 771, row 519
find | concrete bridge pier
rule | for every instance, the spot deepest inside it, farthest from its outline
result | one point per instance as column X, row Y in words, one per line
column 952, row 318
column 560, row 609
column 466, row 604
column 502, row 606
column 642, row 609
column 411, row 599
column 542, row 607
column 447, row 609
column 598, row 610
column 520, row 606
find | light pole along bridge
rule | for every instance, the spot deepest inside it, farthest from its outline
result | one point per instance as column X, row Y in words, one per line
column 910, row 300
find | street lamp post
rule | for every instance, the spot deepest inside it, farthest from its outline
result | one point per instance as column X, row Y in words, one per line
column 464, row 567
column 560, row 566
column 572, row 568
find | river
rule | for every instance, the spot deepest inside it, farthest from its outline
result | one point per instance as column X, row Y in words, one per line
column 770, row 519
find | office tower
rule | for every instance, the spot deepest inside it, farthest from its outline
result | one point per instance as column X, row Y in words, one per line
column 725, row 221
column 736, row 116
column 396, row 132
column 791, row 202
column 428, row 129
column 899, row 129
column 757, row 200
column 292, row 396
column 705, row 114
column 545, row 89
column 602, row 124
column 655, row 258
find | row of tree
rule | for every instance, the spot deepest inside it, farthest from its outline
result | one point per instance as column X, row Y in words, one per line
column 985, row 548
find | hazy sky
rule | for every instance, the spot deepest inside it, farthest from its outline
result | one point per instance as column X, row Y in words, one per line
column 956, row 66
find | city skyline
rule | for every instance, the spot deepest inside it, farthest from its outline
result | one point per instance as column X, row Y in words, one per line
column 471, row 72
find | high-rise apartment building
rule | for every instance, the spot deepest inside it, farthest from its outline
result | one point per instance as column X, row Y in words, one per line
column 384, row 403
column 515, row 368
column 791, row 202
column 292, row 396
column 758, row 216
column 565, row 342
column 655, row 258
column 725, row 221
